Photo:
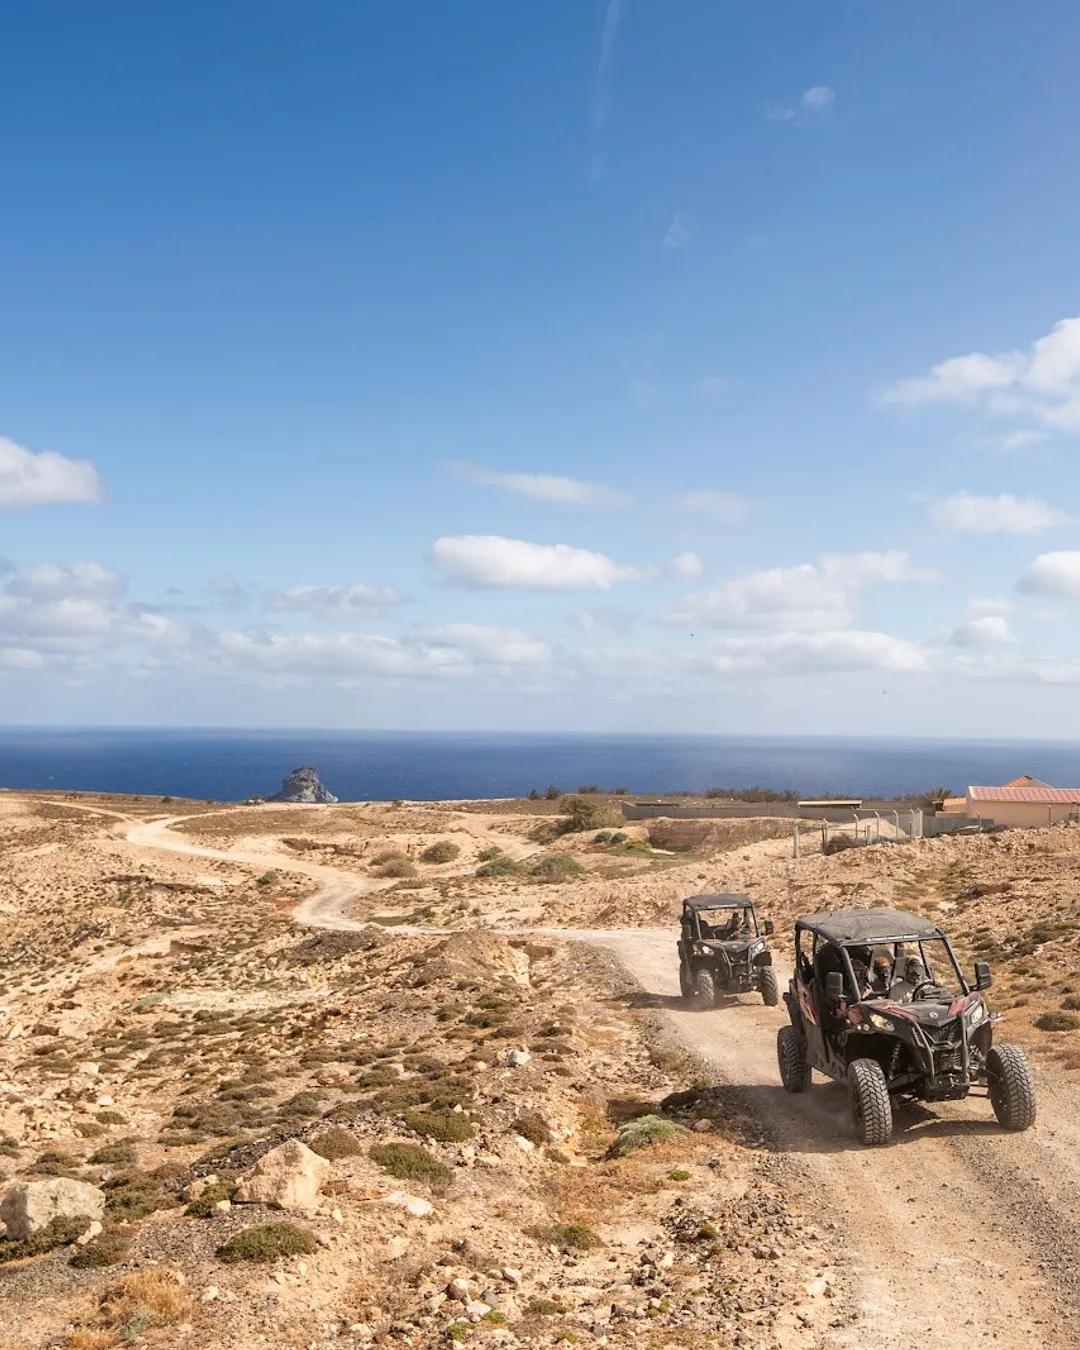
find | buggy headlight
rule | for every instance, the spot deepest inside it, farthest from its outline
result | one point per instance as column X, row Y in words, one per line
column 882, row 1023
column 977, row 1015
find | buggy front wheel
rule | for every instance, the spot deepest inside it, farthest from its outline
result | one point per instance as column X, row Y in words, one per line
column 1012, row 1093
column 794, row 1070
column 770, row 987
column 705, row 989
column 871, row 1106
column 686, row 981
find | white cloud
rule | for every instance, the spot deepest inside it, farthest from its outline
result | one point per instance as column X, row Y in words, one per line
column 678, row 233
column 988, row 515
column 357, row 601
column 231, row 595
column 979, row 605
column 990, row 630
column 814, row 101
column 546, row 487
column 602, row 620
column 484, row 561
column 1055, row 573
column 1040, row 386
column 340, row 654
column 52, row 581
column 818, row 99
column 499, row 646
column 20, row 658
column 816, row 653
column 807, row 598
column 726, row 507
column 28, row 479
column 688, row 566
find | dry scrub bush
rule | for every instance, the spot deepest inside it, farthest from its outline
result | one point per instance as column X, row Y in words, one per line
column 442, row 851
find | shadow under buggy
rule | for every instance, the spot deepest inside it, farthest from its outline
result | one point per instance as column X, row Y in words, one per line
column 879, row 1002
column 722, row 950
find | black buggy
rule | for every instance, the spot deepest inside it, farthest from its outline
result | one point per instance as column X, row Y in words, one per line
column 878, row 1001
column 722, row 950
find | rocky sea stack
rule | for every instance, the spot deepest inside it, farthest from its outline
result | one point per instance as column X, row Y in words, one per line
column 303, row 785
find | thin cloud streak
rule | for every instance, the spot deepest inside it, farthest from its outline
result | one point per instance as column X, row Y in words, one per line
column 602, row 101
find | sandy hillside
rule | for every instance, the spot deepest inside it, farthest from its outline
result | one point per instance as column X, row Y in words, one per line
column 516, row 1137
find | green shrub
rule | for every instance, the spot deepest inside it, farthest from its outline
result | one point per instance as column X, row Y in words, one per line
column 334, row 1143
column 410, row 1162
column 89, row 1129
column 532, row 1126
column 557, row 867
column 53, row 1163
column 397, row 867
column 442, row 851
column 1058, row 1021
column 267, row 879
column 489, row 853
column 57, row 1233
column 643, row 1132
column 545, row 1307
column 1072, row 1003
column 121, row 1154
column 134, row 1195
column 567, row 1236
column 203, row 1206
column 447, row 1127
column 108, row 1249
column 499, row 866
column 580, row 816
column 268, row 1242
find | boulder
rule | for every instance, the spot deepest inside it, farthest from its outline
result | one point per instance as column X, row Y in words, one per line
column 30, row 1206
column 303, row 785
column 288, row 1177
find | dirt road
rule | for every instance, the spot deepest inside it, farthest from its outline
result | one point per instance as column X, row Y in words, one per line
column 957, row 1234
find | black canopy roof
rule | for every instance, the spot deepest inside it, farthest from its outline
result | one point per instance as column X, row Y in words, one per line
column 869, row 925
column 718, row 901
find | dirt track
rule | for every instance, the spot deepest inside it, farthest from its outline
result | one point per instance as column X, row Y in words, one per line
column 958, row 1233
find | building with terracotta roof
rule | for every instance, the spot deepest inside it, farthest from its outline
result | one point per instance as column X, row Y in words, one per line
column 1025, row 801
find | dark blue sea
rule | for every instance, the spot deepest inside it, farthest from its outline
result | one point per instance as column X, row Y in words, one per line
column 364, row 765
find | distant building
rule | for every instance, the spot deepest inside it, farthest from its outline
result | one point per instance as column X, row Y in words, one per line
column 1024, row 801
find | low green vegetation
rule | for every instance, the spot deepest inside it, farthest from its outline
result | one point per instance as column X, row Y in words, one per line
column 643, row 1132
column 566, row 1236
column 335, row 1143
column 442, row 851
column 447, row 1127
column 58, row 1233
column 108, row 1249
column 1058, row 1021
column 557, row 867
column 202, row 1207
column 410, row 1162
column 268, row 1242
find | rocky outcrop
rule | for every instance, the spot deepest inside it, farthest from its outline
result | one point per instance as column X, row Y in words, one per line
column 288, row 1177
column 303, row 785
column 30, row 1206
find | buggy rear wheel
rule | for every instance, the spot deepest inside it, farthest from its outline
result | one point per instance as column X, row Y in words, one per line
column 705, row 989
column 1012, row 1093
column 770, row 987
column 794, row 1070
column 686, row 981
column 871, row 1106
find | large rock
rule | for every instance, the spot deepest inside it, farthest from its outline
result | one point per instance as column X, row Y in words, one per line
column 30, row 1206
column 288, row 1177
column 303, row 785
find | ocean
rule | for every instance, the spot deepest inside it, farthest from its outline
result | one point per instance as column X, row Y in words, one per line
column 366, row 765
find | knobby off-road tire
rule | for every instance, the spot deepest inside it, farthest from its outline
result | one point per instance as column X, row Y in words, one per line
column 686, row 981
column 705, row 989
column 770, row 987
column 794, row 1070
column 1012, row 1093
column 871, row 1107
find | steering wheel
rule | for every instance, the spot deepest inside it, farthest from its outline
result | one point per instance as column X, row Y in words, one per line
column 920, row 986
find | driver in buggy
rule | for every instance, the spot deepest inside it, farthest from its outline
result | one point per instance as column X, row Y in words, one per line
column 736, row 926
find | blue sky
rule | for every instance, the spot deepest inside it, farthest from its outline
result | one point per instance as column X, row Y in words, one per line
column 588, row 365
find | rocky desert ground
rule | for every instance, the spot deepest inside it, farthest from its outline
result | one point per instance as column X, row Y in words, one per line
column 414, row 1074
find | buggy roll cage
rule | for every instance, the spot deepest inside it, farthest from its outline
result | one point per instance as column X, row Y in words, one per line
column 916, row 935
column 696, row 905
